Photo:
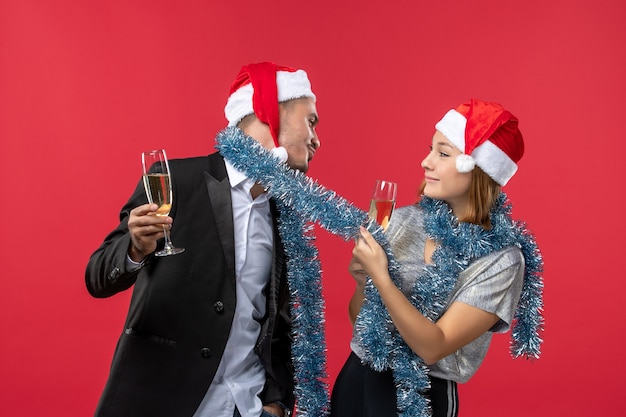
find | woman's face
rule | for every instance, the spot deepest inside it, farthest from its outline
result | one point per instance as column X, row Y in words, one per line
column 443, row 180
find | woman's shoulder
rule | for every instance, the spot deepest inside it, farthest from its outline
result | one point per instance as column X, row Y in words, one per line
column 406, row 212
column 406, row 220
column 505, row 262
column 509, row 255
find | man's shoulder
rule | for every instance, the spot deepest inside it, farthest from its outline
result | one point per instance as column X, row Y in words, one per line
column 199, row 166
column 197, row 161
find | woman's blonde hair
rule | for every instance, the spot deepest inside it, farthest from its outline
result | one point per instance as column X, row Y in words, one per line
column 483, row 193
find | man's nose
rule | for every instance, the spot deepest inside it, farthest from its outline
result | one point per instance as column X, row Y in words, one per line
column 316, row 141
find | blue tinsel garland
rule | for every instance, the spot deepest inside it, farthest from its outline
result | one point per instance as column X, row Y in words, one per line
column 301, row 200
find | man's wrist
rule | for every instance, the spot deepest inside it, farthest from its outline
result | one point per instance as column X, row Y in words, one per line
column 133, row 265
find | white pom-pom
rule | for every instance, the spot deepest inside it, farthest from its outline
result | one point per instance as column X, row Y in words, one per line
column 465, row 163
column 280, row 153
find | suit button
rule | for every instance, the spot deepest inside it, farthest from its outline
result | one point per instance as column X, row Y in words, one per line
column 219, row 307
column 205, row 352
column 115, row 274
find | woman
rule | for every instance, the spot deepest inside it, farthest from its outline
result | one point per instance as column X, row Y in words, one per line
column 459, row 241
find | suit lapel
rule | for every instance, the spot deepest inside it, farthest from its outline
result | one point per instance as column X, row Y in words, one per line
column 278, row 259
column 219, row 194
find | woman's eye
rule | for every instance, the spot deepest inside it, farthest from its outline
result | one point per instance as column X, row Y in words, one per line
column 443, row 154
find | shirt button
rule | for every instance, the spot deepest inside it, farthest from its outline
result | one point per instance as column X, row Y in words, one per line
column 219, row 307
column 205, row 352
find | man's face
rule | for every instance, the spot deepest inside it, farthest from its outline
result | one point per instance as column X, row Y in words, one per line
column 298, row 120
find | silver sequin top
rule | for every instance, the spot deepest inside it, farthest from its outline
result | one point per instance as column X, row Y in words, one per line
column 492, row 283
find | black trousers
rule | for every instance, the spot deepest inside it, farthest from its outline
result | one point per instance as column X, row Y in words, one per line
column 362, row 392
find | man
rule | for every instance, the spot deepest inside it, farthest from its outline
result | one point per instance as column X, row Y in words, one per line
column 208, row 330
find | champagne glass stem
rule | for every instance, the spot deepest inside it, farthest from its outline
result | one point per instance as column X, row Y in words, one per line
column 168, row 243
column 168, row 248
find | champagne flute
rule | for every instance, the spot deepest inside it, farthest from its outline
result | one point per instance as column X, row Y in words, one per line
column 383, row 202
column 158, row 185
column 381, row 205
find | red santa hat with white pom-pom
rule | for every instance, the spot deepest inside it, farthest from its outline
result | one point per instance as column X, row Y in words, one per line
column 258, row 88
column 488, row 135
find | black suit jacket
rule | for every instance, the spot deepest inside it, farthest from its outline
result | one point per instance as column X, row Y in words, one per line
column 182, row 306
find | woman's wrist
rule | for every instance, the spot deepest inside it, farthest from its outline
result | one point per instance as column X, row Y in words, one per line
column 382, row 281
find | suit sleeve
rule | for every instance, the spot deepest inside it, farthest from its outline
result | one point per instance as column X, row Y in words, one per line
column 106, row 272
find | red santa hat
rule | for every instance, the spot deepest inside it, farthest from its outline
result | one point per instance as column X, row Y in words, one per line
column 488, row 135
column 259, row 88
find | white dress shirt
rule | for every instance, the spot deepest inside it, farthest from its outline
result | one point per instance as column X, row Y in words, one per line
column 240, row 376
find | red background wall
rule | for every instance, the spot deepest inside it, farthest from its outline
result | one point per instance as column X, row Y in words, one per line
column 85, row 86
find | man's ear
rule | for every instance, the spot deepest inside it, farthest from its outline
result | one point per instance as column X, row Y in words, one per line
column 257, row 130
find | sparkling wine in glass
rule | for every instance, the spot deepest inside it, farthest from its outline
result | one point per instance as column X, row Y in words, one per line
column 157, row 182
column 383, row 202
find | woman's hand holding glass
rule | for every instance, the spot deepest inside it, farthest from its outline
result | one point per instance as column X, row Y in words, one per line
column 370, row 257
column 382, row 203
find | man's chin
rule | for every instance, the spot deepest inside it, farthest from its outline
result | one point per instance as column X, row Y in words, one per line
column 302, row 167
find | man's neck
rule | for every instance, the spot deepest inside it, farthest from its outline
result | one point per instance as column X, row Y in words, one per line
column 256, row 190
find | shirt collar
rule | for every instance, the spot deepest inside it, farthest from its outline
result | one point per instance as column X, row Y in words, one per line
column 237, row 177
